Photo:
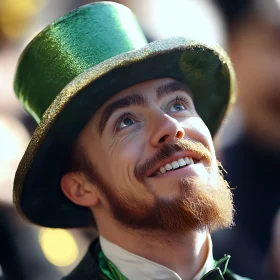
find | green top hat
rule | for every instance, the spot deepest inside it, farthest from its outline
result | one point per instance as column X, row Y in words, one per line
column 77, row 63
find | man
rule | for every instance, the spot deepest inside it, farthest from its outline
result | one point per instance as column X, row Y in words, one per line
column 124, row 144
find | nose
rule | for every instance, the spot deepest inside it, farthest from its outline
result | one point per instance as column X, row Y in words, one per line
column 165, row 130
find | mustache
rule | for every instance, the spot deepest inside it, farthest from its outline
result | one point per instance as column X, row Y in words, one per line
column 168, row 150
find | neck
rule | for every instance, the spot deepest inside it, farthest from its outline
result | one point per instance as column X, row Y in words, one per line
column 184, row 254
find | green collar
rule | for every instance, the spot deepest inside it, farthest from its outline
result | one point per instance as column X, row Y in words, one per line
column 111, row 272
column 219, row 269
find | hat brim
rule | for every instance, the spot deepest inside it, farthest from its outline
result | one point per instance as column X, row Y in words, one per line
column 207, row 71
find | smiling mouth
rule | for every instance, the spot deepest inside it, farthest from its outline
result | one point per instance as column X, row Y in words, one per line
column 176, row 164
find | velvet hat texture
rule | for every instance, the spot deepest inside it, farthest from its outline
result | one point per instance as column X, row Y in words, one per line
column 73, row 67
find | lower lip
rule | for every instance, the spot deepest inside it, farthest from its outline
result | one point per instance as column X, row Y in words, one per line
column 186, row 171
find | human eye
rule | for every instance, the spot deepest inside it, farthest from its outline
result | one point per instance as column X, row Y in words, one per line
column 124, row 121
column 179, row 104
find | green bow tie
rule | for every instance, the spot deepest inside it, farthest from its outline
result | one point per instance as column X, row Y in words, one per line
column 111, row 272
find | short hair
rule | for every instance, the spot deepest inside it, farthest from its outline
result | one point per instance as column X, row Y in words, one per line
column 76, row 160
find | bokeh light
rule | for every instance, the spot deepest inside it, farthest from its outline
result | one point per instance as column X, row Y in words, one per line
column 59, row 246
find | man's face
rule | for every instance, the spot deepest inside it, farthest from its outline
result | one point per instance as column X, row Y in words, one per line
column 153, row 161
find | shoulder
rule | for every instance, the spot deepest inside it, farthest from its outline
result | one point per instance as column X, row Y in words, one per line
column 88, row 268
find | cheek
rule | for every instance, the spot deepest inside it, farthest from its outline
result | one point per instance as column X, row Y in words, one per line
column 198, row 124
column 200, row 131
column 123, row 155
column 122, row 158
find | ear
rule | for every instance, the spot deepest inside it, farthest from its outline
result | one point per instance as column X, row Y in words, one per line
column 78, row 189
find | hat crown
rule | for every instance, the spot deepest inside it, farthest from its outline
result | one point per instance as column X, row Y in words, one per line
column 71, row 45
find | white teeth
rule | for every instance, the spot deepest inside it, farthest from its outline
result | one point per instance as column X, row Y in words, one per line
column 168, row 166
column 181, row 162
column 162, row 170
column 175, row 164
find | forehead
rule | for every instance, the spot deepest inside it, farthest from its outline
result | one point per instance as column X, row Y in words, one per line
column 146, row 88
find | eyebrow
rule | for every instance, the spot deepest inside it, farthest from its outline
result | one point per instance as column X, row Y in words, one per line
column 137, row 99
column 171, row 87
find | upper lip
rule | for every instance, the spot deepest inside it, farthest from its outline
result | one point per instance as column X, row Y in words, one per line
column 174, row 157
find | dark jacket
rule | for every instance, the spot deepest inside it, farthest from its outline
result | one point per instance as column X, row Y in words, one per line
column 88, row 269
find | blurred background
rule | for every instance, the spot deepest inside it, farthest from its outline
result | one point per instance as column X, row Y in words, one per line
column 248, row 144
